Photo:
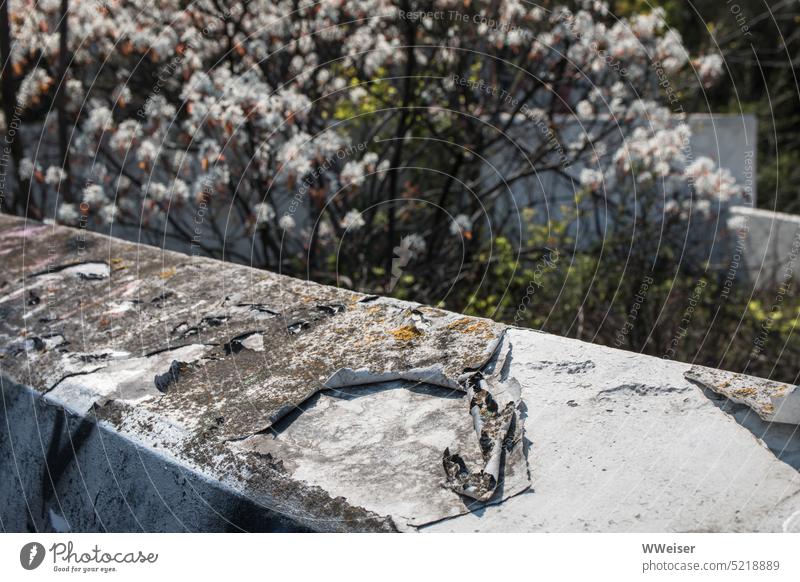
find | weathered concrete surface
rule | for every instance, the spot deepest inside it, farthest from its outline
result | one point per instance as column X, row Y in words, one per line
column 150, row 390
column 64, row 472
column 772, row 401
column 623, row 442
column 193, row 357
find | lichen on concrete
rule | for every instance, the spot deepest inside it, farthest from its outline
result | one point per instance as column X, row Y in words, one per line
column 772, row 401
column 222, row 352
column 188, row 347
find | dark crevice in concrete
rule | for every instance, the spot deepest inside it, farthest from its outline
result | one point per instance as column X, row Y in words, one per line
column 258, row 307
column 176, row 347
column 213, row 320
column 161, row 298
column 238, row 343
column 297, row 326
column 331, row 309
column 86, row 275
column 72, row 375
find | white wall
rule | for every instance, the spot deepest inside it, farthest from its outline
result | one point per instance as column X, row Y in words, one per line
column 769, row 247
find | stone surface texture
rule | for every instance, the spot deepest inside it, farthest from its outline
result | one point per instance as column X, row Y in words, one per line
column 149, row 390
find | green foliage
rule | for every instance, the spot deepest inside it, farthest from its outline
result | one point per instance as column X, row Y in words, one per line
column 654, row 309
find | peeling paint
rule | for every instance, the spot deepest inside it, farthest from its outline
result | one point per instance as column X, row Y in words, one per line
column 130, row 380
column 225, row 360
column 89, row 271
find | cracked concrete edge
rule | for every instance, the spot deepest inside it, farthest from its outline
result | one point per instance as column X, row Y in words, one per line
column 233, row 468
column 127, row 380
column 772, row 401
column 236, row 473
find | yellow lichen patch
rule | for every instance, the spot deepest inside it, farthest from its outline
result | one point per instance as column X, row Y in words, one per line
column 469, row 325
column 405, row 333
column 780, row 390
column 118, row 264
column 167, row 273
column 744, row 392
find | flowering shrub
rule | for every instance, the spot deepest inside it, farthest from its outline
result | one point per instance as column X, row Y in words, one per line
column 318, row 136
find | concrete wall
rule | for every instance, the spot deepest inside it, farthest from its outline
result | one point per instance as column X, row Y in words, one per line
column 66, row 472
column 767, row 243
column 603, row 439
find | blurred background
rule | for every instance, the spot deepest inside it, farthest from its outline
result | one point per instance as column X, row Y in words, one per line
column 623, row 172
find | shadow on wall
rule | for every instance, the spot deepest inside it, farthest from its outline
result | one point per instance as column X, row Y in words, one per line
column 62, row 472
column 782, row 439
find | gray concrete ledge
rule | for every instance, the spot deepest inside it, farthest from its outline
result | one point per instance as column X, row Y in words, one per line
column 149, row 390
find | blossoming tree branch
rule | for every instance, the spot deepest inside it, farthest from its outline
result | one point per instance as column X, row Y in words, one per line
column 321, row 137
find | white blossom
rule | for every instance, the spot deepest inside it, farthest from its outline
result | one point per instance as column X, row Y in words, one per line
column 286, row 222
column 158, row 192
column 180, row 191
column 324, row 230
column 124, row 135
column 584, row 109
column 27, row 168
column 414, row 243
column 591, row 178
column 68, row 213
column 100, row 118
column 352, row 174
column 107, row 213
column 353, row 220
column 94, row 195
column 264, row 212
column 709, row 69
column 370, row 159
column 460, row 224
column 54, row 175
column 33, row 86
column 702, row 206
